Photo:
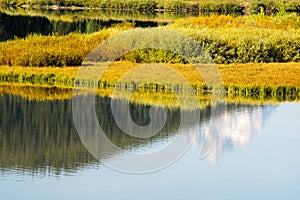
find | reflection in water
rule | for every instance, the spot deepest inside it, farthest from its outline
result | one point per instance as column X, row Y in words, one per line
column 39, row 136
column 239, row 125
column 20, row 26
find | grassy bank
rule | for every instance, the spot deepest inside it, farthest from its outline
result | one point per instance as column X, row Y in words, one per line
column 236, row 7
column 224, row 7
column 53, row 93
column 105, row 15
column 252, row 39
column 53, row 50
column 276, row 80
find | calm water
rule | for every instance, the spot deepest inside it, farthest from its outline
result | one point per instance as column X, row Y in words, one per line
column 256, row 156
column 20, row 22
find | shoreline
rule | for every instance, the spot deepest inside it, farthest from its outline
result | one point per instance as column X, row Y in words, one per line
column 53, row 93
column 281, row 87
column 147, row 5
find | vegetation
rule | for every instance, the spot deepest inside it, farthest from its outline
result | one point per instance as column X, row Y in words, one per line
column 227, row 40
column 35, row 68
column 274, row 6
column 236, row 7
column 252, row 39
column 35, row 92
column 53, row 50
column 105, row 15
column 244, row 40
column 275, row 80
column 225, row 7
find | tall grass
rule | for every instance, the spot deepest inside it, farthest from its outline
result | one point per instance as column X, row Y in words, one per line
column 252, row 39
column 291, row 21
column 53, row 50
column 244, row 40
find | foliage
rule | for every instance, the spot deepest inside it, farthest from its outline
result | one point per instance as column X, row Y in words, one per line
column 291, row 21
column 271, row 7
column 227, row 39
column 245, row 39
column 239, row 79
column 84, row 14
column 225, row 7
column 53, row 50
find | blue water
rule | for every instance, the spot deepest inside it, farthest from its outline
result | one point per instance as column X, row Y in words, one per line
column 256, row 157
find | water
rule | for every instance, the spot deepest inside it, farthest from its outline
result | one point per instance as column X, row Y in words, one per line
column 20, row 22
column 254, row 157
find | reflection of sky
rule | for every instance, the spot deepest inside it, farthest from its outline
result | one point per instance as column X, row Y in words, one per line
column 235, row 128
column 268, row 168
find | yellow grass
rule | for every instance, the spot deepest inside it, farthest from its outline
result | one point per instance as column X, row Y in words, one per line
column 269, row 74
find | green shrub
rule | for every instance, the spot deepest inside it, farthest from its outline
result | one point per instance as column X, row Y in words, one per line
column 222, row 8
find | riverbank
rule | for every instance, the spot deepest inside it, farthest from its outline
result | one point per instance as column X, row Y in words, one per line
column 224, row 7
column 257, row 56
column 235, row 7
column 263, row 81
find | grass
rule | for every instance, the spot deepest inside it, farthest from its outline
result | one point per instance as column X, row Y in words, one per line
column 53, row 50
column 224, row 6
column 245, row 40
column 252, row 39
column 278, row 80
column 290, row 21
column 236, row 7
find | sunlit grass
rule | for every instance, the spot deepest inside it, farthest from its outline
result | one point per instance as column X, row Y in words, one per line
column 271, row 74
column 291, row 21
column 273, row 79
column 251, row 39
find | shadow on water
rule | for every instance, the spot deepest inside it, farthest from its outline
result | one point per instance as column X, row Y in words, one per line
column 21, row 26
column 18, row 22
column 39, row 137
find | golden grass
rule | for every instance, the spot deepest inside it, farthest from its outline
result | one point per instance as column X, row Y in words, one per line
column 269, row 74
column 254, row 21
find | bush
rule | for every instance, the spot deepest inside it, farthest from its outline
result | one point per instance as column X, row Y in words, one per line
column 271, row 7
column 222, row 8
column 54, row 50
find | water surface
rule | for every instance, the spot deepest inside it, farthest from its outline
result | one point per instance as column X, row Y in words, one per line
column 255, row 157
column 20, row 22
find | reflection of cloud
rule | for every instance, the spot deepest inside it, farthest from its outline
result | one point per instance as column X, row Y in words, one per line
column 235, row 128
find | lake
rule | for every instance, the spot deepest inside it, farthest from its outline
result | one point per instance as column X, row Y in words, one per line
column 230, row 150
column 252, row 155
